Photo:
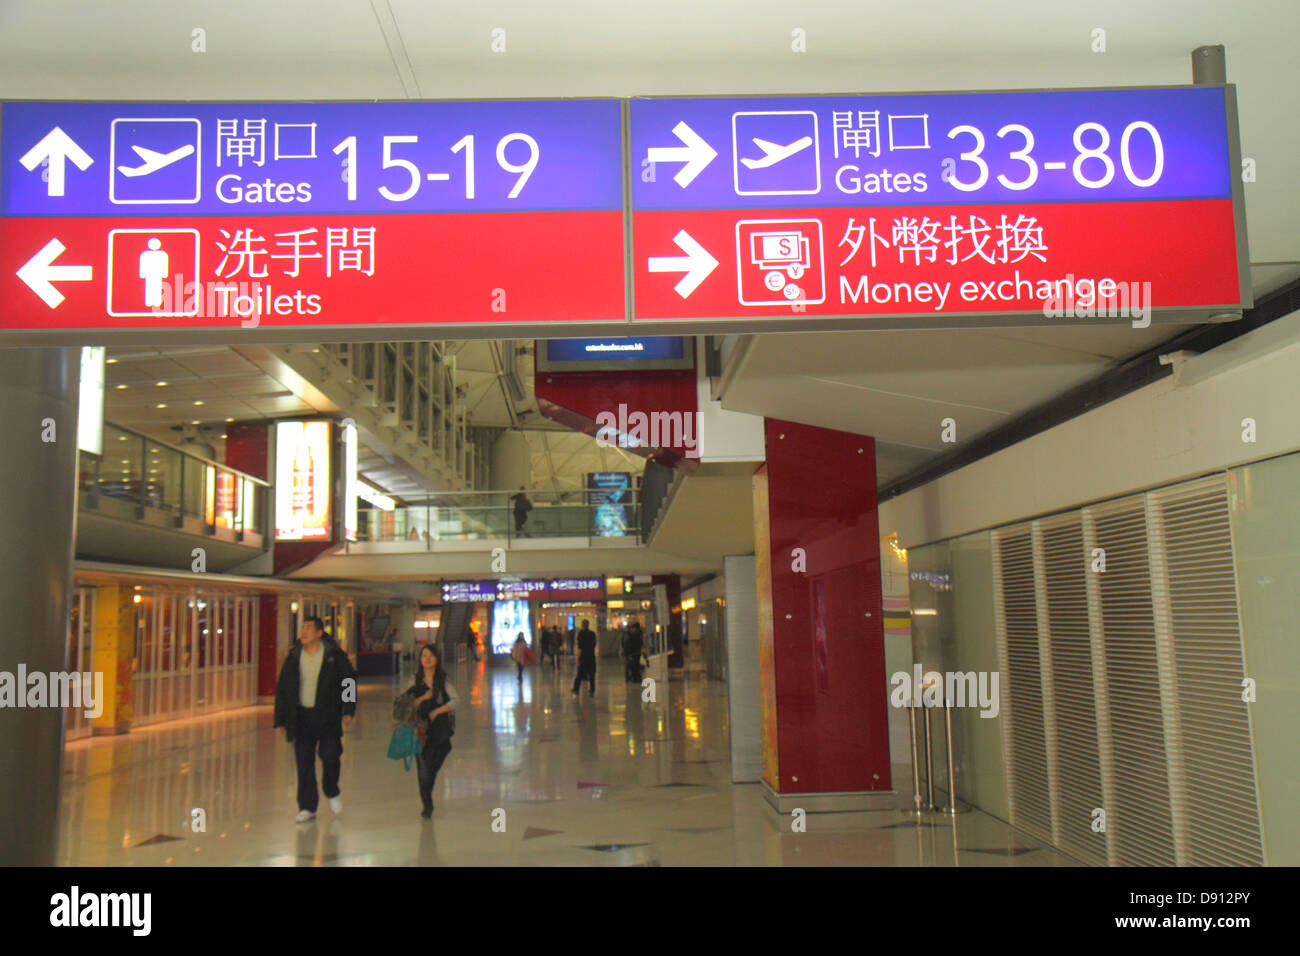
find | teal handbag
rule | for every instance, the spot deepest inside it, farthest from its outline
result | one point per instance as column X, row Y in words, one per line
column 404, row 744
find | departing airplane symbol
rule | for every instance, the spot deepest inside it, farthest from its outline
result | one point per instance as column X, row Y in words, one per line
column 773, row 153
column 154, row 160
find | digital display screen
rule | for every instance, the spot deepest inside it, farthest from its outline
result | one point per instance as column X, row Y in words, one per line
column 509, row 620
column 615, row 352
column 609, row 494
column 302, row 481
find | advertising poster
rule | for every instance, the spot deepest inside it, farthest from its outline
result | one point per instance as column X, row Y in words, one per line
column 509, row 619
column 609, row 495
column 222, row 498
column 302, row 474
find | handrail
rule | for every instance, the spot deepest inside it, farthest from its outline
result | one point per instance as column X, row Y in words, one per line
column 188, row 454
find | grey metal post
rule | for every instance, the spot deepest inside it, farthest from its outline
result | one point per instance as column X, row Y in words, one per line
column 39, row 486
column 915, row 809
column 1209, row 66
column 929, row 760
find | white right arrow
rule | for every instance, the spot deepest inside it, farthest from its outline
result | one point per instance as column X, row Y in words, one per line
column 39, row 271
column 58, row 147
column 697, row 263
column 696, row 154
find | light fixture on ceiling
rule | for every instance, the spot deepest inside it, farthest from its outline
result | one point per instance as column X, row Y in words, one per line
column 162, row 384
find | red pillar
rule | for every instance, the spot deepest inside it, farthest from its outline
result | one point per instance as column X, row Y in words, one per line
column 821, row 635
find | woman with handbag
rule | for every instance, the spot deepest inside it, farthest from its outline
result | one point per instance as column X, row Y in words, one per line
column 435, row 700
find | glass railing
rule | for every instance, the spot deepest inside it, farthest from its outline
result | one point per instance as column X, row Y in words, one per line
column 152, row 474
column 474, row 516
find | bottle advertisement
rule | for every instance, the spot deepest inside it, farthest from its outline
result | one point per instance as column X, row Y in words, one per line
column 302, row 472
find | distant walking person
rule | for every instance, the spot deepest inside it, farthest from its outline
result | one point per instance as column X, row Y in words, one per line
column 522, row 507
column 310, row 706
column 633, row 642
column 586, row 659
column 435, row 699
column 553, row 641
column 519, row 654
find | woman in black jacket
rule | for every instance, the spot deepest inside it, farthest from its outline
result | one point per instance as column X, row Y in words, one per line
column 435, row 700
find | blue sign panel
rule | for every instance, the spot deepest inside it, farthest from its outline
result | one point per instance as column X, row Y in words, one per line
column 455, row 591
column 122, row 159
column 930, row 149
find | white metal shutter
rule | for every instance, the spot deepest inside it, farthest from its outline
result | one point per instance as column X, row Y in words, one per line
column 1138, row 812
column 1026, row 741
column 1077, row 761
column 1217, row 811
column 1123, row 686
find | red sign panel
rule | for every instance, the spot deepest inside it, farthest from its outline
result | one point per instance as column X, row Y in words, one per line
column 317, row 270
column 926, row 260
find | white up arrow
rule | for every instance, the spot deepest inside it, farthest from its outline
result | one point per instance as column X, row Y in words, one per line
column 39, row 271
column 696, row 154
column 697, row 264
column 58, row 147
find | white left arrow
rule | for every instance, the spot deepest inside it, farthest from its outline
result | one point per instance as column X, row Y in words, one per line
column 39, row 271
column 697, row 263
column 58, row 147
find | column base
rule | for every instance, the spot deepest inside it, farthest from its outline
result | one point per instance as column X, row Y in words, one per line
column 112, row 730
column 841, row 802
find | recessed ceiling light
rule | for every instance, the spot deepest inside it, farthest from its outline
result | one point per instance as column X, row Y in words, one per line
column 111, row 361
column 199, row 402
column 223, row 434
column 161, row 384
column 161, row 405
column 120, row 387
column 195, row 422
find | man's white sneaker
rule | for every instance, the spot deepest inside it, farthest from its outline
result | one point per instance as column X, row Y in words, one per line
column 336, row 805
column 303, row 816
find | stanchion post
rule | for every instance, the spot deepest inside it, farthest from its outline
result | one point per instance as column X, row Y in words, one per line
column 915, row 809
column 929, row 758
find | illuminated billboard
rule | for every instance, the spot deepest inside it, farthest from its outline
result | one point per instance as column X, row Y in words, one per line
column 509, row 620
column 350, row 490
column 302, row 481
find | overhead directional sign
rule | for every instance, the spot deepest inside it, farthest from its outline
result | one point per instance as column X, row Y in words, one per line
column 238, row 215
column 375, row 219
column 926, row 204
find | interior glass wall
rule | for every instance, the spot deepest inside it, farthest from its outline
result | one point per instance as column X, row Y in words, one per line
column 195, row 653
column 81, row 652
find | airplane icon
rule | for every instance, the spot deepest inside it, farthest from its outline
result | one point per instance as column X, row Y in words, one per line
column 154, row 160
column 773, row 153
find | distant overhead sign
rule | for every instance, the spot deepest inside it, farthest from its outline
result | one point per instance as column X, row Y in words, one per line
column 925, row 204
column 247, row 215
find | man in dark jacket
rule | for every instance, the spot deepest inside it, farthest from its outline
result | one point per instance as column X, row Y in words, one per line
column 586, row 659
column 633, row 642
column 315, row 698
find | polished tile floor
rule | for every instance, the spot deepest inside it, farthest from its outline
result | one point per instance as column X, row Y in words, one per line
column 535, row 778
